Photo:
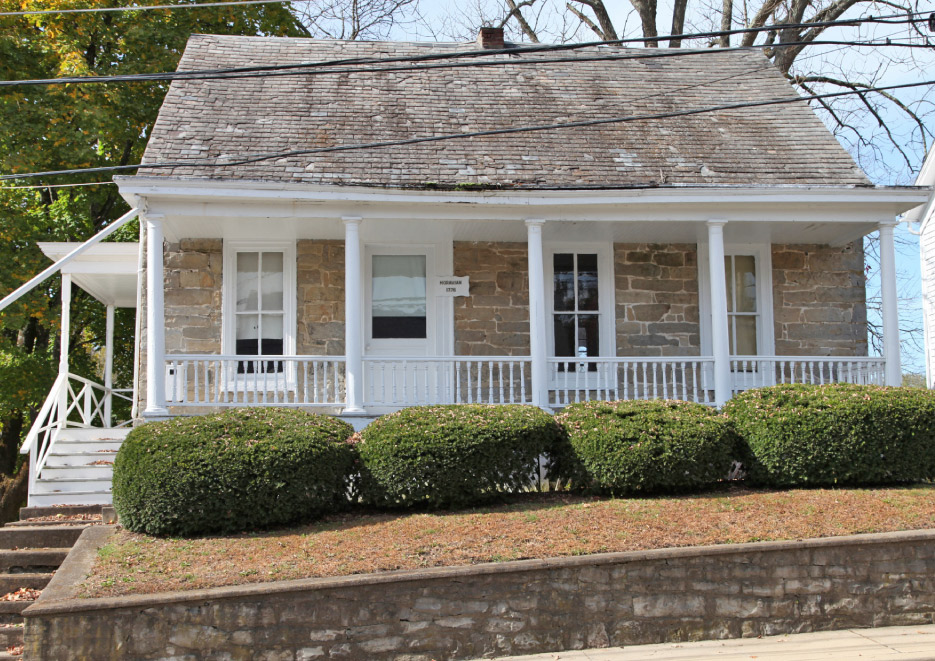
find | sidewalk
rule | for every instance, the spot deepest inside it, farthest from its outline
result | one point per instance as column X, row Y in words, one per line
column 916, row 643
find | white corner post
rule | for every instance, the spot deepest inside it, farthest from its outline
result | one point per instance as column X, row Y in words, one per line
column 353, row 305
column 155, row 320
column 109, row 367
column 537, row 343
column 64, row 348
column 892, row 370
column 719, row 339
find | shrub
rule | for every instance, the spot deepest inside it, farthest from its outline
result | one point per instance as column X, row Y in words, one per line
column 453, row 456
column 237, row 470
column 644, row 446
column 843, row 434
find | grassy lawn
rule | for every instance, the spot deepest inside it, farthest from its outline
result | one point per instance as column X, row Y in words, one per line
column 539, row 526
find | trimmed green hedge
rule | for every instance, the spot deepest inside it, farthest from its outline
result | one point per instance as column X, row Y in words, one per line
column 801, row 435
column 453, row 456
column 645, row 446
column 237, row 470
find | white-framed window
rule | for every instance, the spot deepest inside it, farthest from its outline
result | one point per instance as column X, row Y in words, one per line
column 748, row 279
column 400, row 304
column 259, row 302
column 580, row 295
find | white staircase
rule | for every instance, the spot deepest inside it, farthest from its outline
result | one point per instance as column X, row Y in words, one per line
column 78, row 467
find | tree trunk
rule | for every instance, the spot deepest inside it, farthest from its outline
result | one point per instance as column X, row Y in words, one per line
column 13, row 494
column 678, row 22
column 9, row 443
column 727, row 19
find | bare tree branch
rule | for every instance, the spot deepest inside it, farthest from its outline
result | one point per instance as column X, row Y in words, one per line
column 518, row 15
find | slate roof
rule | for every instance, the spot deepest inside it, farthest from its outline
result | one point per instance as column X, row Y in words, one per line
column 773, row 145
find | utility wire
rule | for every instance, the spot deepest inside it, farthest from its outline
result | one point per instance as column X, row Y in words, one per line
column 100, row 10
column 44, row 186
column 460, row 136
column 202, row 74
column 305, row 70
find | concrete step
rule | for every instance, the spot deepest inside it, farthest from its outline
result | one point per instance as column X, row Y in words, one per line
column 11, row 611
column 10, row 634
column 32, row 560
column 39, row 537
column 72, row 498
column 83, row 458
column 32, row 523
column 32, row 580
column 77, row 472
column 65, row 510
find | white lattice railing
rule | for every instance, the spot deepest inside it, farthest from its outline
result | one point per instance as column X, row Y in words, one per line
column 418, row 380
column 73, row 402
column 760, row 371
column 216, row 380
column 614, row 378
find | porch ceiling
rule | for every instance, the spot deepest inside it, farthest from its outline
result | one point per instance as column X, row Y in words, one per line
column 107, row 271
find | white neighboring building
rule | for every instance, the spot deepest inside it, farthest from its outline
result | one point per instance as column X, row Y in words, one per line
column 926, row 216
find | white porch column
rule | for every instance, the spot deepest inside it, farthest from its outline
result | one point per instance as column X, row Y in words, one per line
column 890, row 303
column 353, row 305
column 155, row 321
column 719, row 339
column 109, row 366
column 63, row 350
column 537, row 342
column 66, row 323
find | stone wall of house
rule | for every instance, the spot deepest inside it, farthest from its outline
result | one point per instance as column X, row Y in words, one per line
column 193, row 295
column 525, row 607
column 494, row 319
column 819, row 300
column 656, row 293
column 320, row 294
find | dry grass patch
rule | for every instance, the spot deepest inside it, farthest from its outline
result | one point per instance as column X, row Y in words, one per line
column 537, row 526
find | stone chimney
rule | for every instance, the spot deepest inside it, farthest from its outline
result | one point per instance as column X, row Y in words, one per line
column 490, row 38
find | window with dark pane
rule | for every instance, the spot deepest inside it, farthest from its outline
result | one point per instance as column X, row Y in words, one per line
column 259, row 308
column 576, row 323
column 398, row 304
column 742, row 309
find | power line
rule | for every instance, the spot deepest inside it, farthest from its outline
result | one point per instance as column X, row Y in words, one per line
column 205, row 74
column 460, row 136
column 44, row 186
column 100, row 10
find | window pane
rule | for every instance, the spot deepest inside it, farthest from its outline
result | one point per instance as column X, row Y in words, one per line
column 745, row 283
column 588, row 336
column 247, row 268
column 248, row 334
column 272, row 283
column 729, row 276
column 745, row 341
column 271, row 343
column 563, row 267
column 587, row 282
column 398, row 297
column 565, row 335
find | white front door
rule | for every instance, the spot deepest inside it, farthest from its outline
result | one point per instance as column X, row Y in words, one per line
column 400, row 323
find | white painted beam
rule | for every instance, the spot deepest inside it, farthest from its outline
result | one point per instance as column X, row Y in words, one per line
column 537, row 320
column 888, row 294
column 719, row 338
column 109, row 366
column 353, row 308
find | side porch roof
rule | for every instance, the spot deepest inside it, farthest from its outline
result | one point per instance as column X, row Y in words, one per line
column 107, row 271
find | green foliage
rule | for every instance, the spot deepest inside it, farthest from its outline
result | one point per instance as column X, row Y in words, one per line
column 237, row 470
column 453, row 456
column 837, row 434
column 650, row 446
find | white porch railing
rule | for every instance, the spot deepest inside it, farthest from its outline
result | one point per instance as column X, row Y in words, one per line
column 760, row 371
column 614, row 378
column 418, row 380
column 215, row 380
column 73, row 402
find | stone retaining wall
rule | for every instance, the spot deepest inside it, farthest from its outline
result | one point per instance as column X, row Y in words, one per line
column 507, row 608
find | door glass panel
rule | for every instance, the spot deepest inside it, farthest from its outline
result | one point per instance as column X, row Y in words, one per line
column 248, row 334
column 398, row 305
column 745, row 283
column 563, row 266
column 588, row 338
column 272, row 281
column 248, row 264
column 587, row 282
column 271, row 342
column 729, row 276
column 745, row 339
column 565, row 335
